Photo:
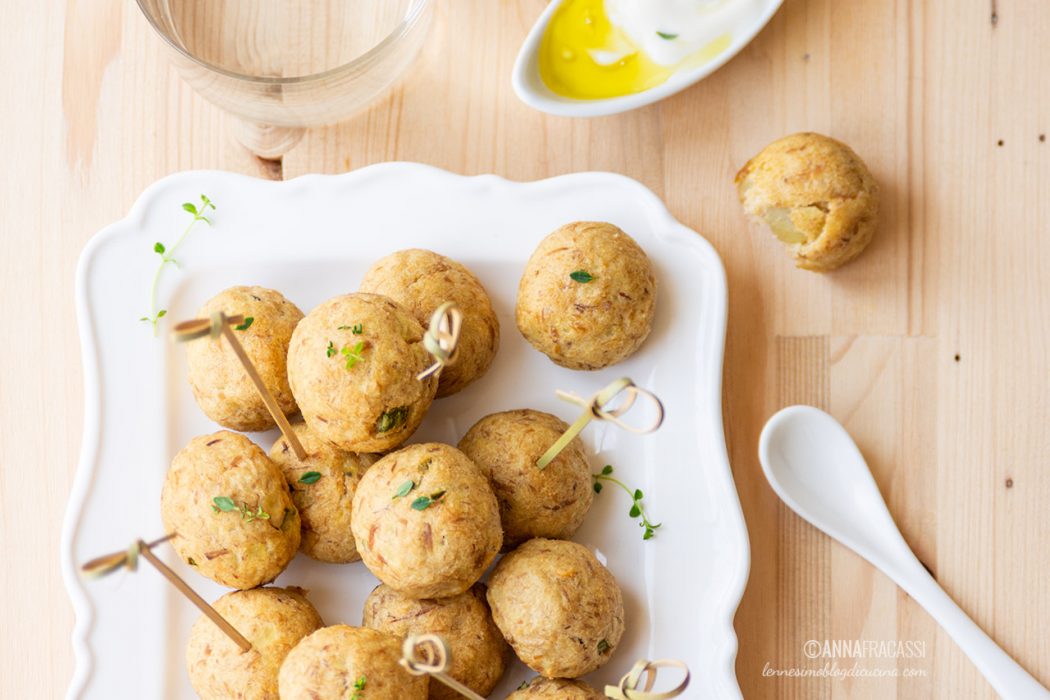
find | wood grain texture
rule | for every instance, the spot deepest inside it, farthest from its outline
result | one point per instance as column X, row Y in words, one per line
column 931, row 348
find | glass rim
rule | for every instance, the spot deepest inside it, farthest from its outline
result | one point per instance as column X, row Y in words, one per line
column 412, row 16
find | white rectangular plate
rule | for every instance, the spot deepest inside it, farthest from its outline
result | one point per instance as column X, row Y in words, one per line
column 313, row 238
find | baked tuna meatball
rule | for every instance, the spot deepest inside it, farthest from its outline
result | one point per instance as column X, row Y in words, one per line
column 587, row 297
column 556, row 689
column 352, row 366
column 816, row 195
column 549, row 502
column 221, row 386
column 426, row 521
column 272, row 619
column 231, row 508
column 477, row 649
column 421, row 281
column 342, row 662
column 557, row 606
column 322, row 489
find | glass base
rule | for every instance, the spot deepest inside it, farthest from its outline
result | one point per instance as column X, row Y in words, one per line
column 268, row 141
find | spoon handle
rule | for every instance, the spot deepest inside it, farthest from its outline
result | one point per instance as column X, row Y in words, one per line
column 1004, row 674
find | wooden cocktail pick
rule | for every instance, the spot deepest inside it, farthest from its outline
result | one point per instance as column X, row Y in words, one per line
column 219, row 325
column 128, row 559
column 628, row 688
column 442, row 337
column 423, row 654
column 594, row 408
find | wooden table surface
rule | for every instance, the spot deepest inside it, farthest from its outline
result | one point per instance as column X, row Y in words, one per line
column 931, row 348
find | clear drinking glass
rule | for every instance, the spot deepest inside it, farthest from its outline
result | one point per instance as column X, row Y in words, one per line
column 284, row 65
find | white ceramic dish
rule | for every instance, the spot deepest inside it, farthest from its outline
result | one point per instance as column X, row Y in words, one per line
column 531, row 89
column 312, row 238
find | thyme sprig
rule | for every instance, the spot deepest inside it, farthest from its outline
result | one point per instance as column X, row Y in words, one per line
column 637, row 509
column 225, row 504
column 167, row 257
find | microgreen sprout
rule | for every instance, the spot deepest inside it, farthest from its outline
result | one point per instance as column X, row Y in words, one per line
column 359, row 688
column 353, row 355
column 667, row 36
column 637, row 509
column 167, row 257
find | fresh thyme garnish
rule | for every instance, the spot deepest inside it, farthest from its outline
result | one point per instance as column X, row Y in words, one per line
column 248, row 321
column 424, row 502
column 225, row 504
column 665, row 35
column 603, row 646
column 637, row 510
column 581, row 276
column 359, row 687
column 356, row 329
column 404, row 489
column 330, row 350
column 309, row 478
column 394, row 418
column 167, row 256
column 353, row 355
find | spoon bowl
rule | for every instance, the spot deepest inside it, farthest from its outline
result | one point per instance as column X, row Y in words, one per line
column 530, row 88
column 815, row 467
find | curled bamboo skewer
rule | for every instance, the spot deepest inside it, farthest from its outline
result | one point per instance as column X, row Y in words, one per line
column 428, row 654
column 627, row 688
column 594, row 409
column 219, row 324
column 442, row 337
column 108, row 563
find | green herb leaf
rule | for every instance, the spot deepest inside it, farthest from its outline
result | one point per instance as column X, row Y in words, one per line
column 404, row 489
column 437, row 495
column 207, row 202
column 353, row 355
column 359, row 684
column 581, row 276
column 190, row 207
column 603, row 646
column 330, row 350
column 162, row 313
column 248, row 321
column 309, row 478
column 665, row 35
column 637, row 510
column 223, row 503
column 158, row 247
column 421, row 503
column 392, row 419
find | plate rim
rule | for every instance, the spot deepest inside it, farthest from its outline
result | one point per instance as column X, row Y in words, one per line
column 87, row 462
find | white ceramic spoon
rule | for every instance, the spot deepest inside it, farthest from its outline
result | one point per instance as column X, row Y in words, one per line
column 815, row 467
column 531, row 89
